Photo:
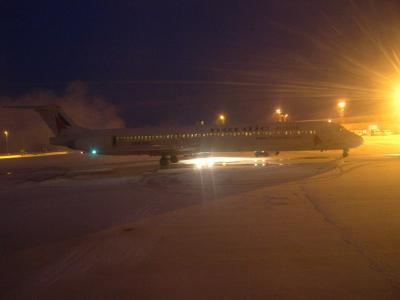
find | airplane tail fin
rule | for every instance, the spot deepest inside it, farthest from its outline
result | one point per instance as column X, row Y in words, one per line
column 54, row 116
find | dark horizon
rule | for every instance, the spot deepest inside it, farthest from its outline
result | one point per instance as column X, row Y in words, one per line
column 180, row 62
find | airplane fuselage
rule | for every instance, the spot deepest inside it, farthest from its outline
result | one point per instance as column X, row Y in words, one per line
column 287, row 136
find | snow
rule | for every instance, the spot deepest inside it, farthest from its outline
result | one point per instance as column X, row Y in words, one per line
column 304, row 226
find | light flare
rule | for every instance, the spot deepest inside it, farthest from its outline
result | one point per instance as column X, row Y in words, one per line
column 209, row 162
column 396, row 99
column 32, row 155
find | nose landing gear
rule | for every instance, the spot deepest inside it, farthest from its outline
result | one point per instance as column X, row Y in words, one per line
column 345, row 153
column 166, row 160
column 174, row 159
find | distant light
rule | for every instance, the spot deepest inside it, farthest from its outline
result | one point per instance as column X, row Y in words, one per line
column 373, row 127
column 94, row 151
column 329, row 121
column 81, row 152
column 342, row 103
column 280, row 116
column 5, row 132
column 221, row 119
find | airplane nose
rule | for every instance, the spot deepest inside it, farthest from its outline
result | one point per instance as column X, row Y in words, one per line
column 357, row 140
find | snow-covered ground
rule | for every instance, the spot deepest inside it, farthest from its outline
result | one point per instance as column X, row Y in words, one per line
column 301, row 225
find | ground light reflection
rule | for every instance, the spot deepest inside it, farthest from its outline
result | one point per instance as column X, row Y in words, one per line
column 32, row 155
column 209, row 162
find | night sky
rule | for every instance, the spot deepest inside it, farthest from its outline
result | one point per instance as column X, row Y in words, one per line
column 176, row 62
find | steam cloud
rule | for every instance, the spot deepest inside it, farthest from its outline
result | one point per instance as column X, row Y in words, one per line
column 29, row 132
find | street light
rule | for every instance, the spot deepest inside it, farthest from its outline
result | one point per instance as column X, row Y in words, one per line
column 222, row 118
column 285, row 117
column 341, row 105
column 6, row 137
column 279, row 116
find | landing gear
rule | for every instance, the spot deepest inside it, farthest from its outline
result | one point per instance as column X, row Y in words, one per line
column 164, row 161
column 345, row 153
column 277, row 153
column 174, row 159
column 261, row 154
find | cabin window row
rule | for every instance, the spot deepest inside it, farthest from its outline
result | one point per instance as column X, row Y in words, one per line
column 215, row 134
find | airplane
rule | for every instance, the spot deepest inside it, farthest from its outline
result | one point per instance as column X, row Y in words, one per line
column 168, row 143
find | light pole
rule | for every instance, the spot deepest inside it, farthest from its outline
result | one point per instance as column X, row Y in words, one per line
column 341, row 105
column 285, row 117
column 278, row 115
column 6, row 137
column 221, row 119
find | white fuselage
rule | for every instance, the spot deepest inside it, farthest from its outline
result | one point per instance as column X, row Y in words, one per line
column 185, row 140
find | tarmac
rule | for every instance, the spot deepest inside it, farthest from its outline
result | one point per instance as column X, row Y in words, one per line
column 301, row 225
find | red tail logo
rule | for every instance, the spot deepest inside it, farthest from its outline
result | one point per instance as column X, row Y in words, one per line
column 61, row 123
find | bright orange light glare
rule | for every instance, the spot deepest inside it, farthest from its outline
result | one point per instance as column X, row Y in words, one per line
column 396, row 96
column 209, row 162
column 342, row 104
column 373, row 127
column 278, row 111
